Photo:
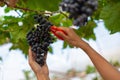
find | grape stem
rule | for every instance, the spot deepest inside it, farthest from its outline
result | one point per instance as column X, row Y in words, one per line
column 63, row 14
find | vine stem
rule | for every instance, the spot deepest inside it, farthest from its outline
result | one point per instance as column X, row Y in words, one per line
column 26, row 9
column 63, row 14
column 30, row 10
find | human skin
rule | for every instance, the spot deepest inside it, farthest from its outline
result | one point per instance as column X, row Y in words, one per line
column 41, row 73
column 106, row 70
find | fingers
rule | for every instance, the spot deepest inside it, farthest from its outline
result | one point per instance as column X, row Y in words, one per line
column 30, row 54
column 67, row 34
column 64, row 29
column 31, row 57
column 61, row 34
column 45, row 57
column 67, row 30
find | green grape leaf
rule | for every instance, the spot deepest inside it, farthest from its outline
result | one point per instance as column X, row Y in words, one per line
column 90, row 69
column 22, row 45
column 65, row 45
column 111, row 16
column 7, row 9
column 51, row 50
column 40, row 5
column 60, row 20
column 87, row 31
column 4, row 36
column 17, row 33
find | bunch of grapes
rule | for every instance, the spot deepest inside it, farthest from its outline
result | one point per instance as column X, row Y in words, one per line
column 79, row 10
column 39, row 38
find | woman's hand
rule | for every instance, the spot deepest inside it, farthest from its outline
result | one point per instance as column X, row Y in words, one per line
column 42, row 73
column 108, row 72
column 71, row 37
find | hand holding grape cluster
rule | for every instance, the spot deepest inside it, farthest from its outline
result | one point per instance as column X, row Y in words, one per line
column 79, row 10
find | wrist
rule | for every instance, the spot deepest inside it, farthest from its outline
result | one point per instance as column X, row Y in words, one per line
column 83, row 45
column 42, row 76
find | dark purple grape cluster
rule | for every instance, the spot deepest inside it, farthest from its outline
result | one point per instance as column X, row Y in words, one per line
column 79, row 10
column 39, row 38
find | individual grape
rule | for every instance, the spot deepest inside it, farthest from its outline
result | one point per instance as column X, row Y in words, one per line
column 81, row 20
column 89, row 11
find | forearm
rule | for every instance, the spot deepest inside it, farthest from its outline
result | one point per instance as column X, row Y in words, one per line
column 106, row 70
column 42, row 77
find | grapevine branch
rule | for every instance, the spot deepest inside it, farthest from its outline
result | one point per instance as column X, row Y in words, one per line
column 30, row 10
column 63, row 14
column 26, row 9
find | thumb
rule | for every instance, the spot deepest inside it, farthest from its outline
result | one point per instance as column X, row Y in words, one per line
column 61, row 34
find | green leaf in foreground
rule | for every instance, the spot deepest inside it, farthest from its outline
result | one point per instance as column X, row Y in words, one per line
column 111, row 16
column 87, row 31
